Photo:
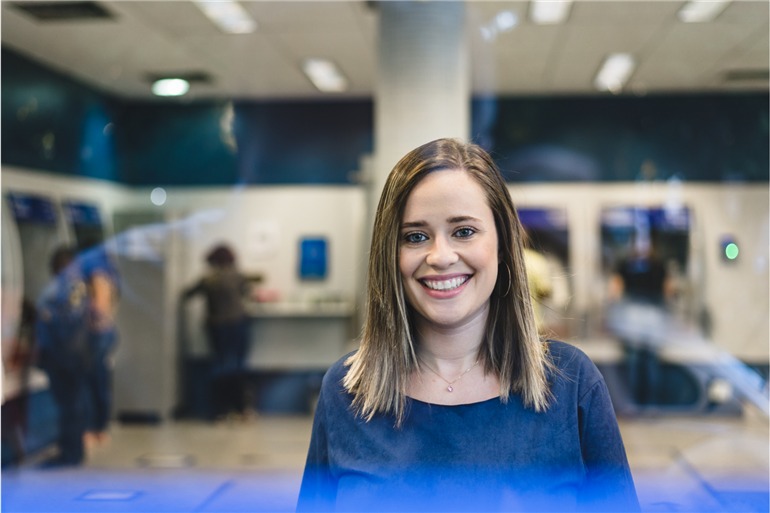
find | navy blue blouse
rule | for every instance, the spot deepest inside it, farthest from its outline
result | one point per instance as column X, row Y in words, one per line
column 485, row 456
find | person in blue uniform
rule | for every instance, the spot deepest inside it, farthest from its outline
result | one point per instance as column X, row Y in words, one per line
column 452, row 402
column 61, row 331
column 100, row 272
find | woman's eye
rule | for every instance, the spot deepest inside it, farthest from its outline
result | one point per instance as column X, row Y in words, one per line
column 414, row 237
column 464, row 232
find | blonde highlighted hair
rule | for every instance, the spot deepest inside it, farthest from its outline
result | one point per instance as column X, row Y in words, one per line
column 511, row 349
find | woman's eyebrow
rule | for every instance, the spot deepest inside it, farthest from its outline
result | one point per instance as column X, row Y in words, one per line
column 450, row 220
column 462, row 219
column 413, row 224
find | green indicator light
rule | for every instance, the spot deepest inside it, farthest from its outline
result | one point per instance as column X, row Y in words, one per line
column 731, row 251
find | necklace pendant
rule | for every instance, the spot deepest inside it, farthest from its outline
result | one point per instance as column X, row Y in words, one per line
column 449, row 388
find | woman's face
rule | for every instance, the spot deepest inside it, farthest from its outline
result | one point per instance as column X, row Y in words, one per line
column 448, row 250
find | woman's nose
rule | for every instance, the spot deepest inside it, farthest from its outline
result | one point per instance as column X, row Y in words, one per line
column 441, row 253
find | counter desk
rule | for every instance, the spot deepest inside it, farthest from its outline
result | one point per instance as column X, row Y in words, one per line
column 299, row 336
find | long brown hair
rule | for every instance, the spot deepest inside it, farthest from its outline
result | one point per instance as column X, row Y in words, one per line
column 512, row 350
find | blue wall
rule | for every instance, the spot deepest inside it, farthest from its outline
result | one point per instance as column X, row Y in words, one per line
column 53, row 123
column 240, row 142
column 692, row 137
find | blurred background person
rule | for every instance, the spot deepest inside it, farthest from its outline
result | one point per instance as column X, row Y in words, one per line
column 540, row 282
column 642, row 276
column 224, row 288
column 102, row 282
column 62, row 331
column 640, row 289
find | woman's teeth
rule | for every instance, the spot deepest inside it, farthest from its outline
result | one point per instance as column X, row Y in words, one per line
column 449, row 284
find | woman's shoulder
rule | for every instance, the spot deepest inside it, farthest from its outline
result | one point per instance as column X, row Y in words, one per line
column 560, row 349
column 339, row 368
column 335, row 374
column 571, row 361
column 334, row 399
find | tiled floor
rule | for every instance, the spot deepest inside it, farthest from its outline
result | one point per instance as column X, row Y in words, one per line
column 697, row 464
column 680, row 464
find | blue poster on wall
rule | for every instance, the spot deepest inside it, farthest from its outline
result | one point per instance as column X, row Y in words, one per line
column 313, row 259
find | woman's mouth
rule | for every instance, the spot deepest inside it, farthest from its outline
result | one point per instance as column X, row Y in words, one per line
column 445, row 285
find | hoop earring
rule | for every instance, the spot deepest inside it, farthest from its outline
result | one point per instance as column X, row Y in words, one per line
column 510, row 279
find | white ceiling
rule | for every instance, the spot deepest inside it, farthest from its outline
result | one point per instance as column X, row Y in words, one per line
column 159, row 37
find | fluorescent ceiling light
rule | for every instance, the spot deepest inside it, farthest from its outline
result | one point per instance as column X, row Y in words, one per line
column 549, row 12
column 228, row 15
column 170, row 87
column 700, row 11
column 325, row 75
column 614, row 73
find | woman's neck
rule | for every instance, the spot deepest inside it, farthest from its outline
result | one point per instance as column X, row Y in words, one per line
column 449, row 349
column 449, row 371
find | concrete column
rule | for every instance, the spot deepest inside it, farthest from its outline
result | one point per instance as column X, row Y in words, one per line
column 422, row 92
column 423, row 82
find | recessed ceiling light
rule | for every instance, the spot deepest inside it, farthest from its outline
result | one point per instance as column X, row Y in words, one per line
column 325, row 75
column 701, row 11
column 170, row 87
column 549, row 12
column 615, row 72
column 228, row 15
column 176, row 82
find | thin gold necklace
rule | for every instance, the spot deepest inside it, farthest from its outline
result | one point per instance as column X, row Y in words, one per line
column 449, row 387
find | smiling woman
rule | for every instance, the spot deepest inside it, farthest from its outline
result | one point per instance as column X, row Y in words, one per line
column 452, row 400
